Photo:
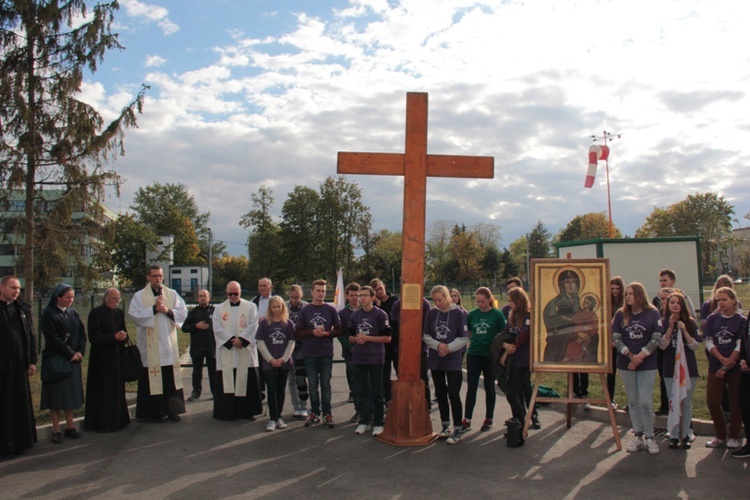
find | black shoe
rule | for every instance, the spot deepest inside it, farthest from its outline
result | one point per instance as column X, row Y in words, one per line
column 661, row 412
column 674, row 443
column 174, row 417
column 57, row 437
column 743, row 452
column 535, row 423
column 195, row 396
column 72, row 433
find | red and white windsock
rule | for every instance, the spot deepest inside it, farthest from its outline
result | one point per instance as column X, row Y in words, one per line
column 596, row 153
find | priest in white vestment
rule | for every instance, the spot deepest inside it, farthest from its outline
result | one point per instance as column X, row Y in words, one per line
column 157, row 311
column 238, row 387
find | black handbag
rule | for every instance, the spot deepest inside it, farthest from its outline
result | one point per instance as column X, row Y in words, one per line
column 55, row 368
column 131, row 362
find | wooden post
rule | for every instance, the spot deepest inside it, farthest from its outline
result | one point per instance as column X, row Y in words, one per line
column 408, row 419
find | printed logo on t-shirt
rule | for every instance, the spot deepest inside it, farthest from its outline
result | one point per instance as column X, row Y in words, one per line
column 442, row 330
column 277, row 337
column 724, row 337
column 317, row 321
column 481, row 328
column 365, row 327
column 635, row 331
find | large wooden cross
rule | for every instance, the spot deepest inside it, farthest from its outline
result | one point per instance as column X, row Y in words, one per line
column 408, row 422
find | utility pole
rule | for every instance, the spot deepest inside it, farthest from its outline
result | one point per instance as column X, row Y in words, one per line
column 607, row 137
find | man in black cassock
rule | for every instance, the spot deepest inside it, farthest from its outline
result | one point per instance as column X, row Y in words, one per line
column 17, row 364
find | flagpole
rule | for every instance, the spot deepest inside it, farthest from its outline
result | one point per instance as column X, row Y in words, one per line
column 607, row 136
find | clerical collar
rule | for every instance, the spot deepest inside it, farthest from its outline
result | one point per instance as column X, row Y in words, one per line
column 234, row 304
column 157, row 291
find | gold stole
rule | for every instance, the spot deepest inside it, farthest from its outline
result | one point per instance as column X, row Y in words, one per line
column 152, row 344
column 237, row 386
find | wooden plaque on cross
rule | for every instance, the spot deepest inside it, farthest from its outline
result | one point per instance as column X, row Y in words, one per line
column 408, row 419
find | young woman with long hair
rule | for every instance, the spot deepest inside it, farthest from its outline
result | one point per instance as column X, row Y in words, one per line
column 678, row 321
column 520, row 377
column 636, row 331
column 446, row 334
column 275, row 338
column 484, row 323
column 723, row 330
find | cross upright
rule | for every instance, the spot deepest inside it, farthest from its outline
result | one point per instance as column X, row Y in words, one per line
column 408, row 419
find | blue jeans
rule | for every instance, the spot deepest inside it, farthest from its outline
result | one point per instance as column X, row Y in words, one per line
column 475, row 366
column 319, row 374
column 368, row 393
column 639, row 388
column 686, row 408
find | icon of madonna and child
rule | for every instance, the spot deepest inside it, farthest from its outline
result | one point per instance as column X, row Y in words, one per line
column 571, row 321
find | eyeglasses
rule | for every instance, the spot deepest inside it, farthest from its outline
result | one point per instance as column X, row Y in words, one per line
column 232, row 294
column 155, row 275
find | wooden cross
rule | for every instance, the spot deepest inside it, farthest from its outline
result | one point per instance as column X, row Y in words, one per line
column 408, row 422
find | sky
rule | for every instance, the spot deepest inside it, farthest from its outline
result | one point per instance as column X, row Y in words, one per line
column 246, row 93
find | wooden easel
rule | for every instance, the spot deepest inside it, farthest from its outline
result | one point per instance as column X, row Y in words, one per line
column 569, row 401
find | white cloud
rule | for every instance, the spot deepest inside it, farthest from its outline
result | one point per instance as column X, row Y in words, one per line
column 525, row 83
column 154, row 61
column 151, row 13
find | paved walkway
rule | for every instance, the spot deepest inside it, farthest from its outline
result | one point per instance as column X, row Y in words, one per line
column 204, row 458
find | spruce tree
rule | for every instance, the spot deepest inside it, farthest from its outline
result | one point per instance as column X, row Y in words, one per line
column 49, row 138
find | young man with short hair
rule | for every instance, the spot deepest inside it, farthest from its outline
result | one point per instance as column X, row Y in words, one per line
column 317, row 324
column 369, row 332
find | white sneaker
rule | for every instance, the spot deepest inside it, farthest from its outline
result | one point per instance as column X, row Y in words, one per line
column 280, row 424
column 271, row 425
column 635, row 445
column 377, row 430
column 652, row 447
column 733, row 443
column 361, row 429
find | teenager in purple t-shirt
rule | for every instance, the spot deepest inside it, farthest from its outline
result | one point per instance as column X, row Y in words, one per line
column 678, row 321
column 446, row 335
column 369, row 332
column 636, row 331
column 518, row 326
column 317, row 324
column 723, row 330
column 275, row 338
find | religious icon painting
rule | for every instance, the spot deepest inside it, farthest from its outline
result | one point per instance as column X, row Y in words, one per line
column 570, row 316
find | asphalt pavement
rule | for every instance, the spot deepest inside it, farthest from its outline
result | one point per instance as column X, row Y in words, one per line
column 200, row 457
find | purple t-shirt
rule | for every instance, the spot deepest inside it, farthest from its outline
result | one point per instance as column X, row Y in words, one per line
column 445, row 327
column 667, row 367
column 522, row 356
column 636, row 335
column 725, row 333
column 276, row 335
column 371, row 323
column 309, row 318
